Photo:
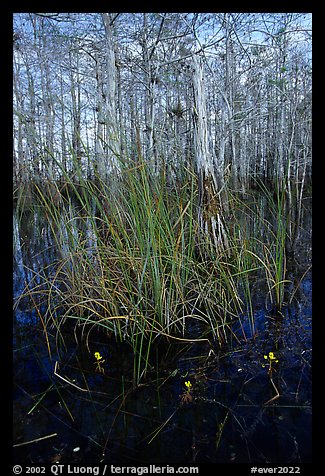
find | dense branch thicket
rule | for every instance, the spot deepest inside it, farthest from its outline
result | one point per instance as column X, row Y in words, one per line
column 90, row 88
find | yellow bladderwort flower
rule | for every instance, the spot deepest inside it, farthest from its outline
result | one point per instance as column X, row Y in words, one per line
column 271, row 357
column 186, row 396
column 99, row 362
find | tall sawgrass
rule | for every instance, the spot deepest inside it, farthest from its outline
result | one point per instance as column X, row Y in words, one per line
column 274, row 247
column 129, row 262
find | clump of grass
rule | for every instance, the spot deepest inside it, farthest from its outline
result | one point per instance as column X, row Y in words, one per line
column 129, row 263
column 273, row 255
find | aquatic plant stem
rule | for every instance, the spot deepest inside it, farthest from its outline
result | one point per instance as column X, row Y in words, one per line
column 35, row 441
column 160, row 427
column 275, row 396
column 41, row 319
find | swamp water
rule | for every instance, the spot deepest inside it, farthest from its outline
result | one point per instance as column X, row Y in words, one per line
column 67, row 411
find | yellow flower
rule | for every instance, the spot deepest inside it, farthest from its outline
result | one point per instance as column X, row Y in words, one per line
column 98, row 356
column 188, row 384
column 272, row 357
column 99, row 362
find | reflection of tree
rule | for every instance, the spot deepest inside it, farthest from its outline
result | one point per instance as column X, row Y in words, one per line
column 34, row 249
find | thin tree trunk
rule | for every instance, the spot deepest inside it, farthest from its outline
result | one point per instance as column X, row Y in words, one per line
column 209, row 212
column 100, row 168
column 150, row 95
column 18, row 130
column 76, row 118
column 63, row 128
column 112, row 137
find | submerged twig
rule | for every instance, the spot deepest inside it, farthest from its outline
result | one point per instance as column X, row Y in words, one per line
column 35, row 441
column 160, row 427
column 65, row 379
column 275, row 396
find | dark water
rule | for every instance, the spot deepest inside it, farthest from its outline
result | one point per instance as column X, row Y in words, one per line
column 90, row 417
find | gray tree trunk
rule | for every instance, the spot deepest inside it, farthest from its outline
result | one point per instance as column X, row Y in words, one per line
column 150, row 95
column 100, row 168
column 209, row 210
column 63, row 127
column 18, row 126
column 76, row 117
column 112, row 136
